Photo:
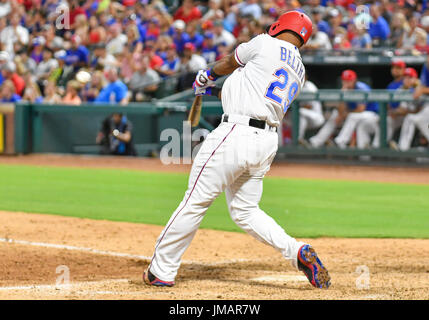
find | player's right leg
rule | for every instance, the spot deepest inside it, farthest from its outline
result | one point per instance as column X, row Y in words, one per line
column 243, row 198
column 208, row 178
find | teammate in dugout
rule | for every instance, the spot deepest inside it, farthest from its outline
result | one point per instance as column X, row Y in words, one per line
column 395, row 114
column 419, row 120
column 351, row 114
column 267, row 74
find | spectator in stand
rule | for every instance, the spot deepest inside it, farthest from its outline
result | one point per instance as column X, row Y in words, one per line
column 180, row 37
column 38, row 46
column 379, row 28
column 144, row 82
column 116, row 39
column 102, row 59
column 9, row 73
column 7, row 92
column 77, row 56
column 421, row 44
column 187, row 12
column 222, row 36
column 209, row 51
column 318, row 41
column 194, row 37
column 22, row 61
column 51, row 95
column 115, row 92
column 214, row 12
column 250, row 7
column 171, row 65
column 93, row 88
column 409, row 40
column 15, row 33
column 399, row 28
column 362, row 39
column 45, row 67
column 72, row 93
column 134, row 42
column 32, row 91
column 190, row 64
column 321, row 24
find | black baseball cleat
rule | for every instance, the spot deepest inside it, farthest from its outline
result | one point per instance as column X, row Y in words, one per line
column 151, row 280
column 310, row 264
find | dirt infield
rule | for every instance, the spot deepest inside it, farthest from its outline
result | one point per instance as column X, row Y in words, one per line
column 218, row 265
column 106, row 259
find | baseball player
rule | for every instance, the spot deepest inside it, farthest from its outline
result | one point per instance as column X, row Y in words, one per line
column 267, row 74
column 419, row 119
column 353, row 113
column 395, row 117
column 310, row 112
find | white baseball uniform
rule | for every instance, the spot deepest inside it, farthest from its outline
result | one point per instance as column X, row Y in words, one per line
column 310, row 118
column 411, row 121
column 235, row 156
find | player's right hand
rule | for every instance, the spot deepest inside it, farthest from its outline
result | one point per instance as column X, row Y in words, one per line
column 204, row 79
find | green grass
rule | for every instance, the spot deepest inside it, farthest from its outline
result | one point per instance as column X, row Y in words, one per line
column 304, row 208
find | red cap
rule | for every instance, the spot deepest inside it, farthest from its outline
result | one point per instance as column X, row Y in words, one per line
column 399, row 63
column 410, row 72
column 295, row 21
column 349, row 75
column 207, row 25
column 190, row 46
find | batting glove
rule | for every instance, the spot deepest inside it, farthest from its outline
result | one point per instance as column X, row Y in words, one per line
column 206, row 91
column 205, row 79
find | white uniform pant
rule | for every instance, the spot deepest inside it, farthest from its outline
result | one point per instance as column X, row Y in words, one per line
column 234, row 158
column 373, row 127
column 411, row 121
column 309, row 119
column 353, row 120
column 326, row 131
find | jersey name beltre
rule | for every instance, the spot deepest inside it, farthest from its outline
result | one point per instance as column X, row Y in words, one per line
column 293, row 61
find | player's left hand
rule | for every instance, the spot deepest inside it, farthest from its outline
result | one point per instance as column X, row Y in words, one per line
column 205, row 91
column 204, row 79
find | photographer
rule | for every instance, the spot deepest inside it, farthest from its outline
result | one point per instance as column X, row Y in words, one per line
column 115, row 136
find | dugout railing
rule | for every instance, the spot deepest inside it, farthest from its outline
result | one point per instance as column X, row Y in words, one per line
column 44, row 128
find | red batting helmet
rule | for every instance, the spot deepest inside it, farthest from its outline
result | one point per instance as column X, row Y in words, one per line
column 295, row 21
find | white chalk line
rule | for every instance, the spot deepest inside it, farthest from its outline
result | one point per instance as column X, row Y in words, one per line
column 115, row 254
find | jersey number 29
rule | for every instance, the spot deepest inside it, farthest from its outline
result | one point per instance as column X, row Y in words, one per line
column 286, row 100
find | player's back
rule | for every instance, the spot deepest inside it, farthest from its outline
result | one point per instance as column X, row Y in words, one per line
column 271, row 77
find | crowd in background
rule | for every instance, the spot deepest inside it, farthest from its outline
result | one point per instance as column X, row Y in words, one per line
column 129, row 47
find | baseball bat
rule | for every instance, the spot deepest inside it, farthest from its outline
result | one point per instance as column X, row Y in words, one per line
column 195, row 112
